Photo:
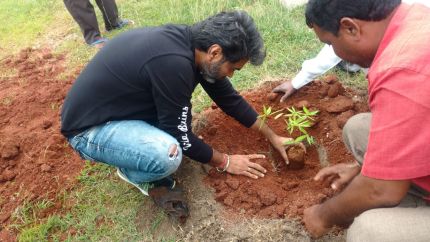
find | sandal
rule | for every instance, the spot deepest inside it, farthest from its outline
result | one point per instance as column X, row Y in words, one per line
column 121, row 24
column 99, row 43
column 172, row 201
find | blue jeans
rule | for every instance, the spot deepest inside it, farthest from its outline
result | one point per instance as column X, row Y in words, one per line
column 143, row 152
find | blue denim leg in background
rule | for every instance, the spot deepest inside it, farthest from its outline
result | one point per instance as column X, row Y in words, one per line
column 140, row 150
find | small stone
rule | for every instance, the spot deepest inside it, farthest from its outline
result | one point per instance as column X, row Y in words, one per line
column 10, row 151
column 7, row 175
column 333, row 91
column 214, row 106
column 330, row 79
column 212, row 130
column 228, row 201
column 47, row 56
column 324, row 90
column 343, row 118
column 45, row 168
column 4, row 217
column 46, row 124
column 267, row 198
column 23, row 55
column 302, row 103
column 291, row 185
column 232, row 183
column 340, row 104
column 221, row 196
column 72, row 231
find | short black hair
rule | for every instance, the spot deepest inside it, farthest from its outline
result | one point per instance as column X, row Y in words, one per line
column 327, row 14
column 235, row 32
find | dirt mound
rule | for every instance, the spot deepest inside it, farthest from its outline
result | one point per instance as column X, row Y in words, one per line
column 35, row 161
column 283, row 192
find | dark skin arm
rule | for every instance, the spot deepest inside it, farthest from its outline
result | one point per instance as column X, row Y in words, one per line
column 242, row 164
column 361, row 194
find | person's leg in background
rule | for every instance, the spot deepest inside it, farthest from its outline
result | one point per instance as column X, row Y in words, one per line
column 109, row 10
column 410, row 221
column 83, row 13
column 110, row 13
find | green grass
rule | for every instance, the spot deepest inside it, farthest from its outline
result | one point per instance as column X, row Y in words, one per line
column 23, row 21
column 101, row 208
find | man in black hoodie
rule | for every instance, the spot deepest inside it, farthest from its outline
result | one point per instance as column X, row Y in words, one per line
column 131, row 106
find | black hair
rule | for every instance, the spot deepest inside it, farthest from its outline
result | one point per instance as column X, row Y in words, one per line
column 235, row 32
column 327, row 14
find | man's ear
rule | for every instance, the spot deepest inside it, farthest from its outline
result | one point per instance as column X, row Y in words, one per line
column 215, row 52
column 350, row 27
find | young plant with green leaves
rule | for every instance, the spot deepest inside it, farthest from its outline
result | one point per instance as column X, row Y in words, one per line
column 300, row 120
column 267, row 112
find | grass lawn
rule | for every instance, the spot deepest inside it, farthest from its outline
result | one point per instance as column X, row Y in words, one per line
column 99, row 209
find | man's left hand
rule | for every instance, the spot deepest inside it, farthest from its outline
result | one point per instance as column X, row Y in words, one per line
column 314, row 223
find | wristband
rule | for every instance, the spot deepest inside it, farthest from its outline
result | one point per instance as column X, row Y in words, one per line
column 225, row 163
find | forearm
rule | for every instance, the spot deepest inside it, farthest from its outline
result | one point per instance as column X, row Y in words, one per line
column 360, row 195
column 217, row 159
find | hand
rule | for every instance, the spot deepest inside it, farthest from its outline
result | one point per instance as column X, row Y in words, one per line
column 314, row 223
column 279, row 143
column 241, row 165
column 286, row 88
column 338, row 175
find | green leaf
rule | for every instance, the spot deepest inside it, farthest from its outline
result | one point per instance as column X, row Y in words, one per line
column 290, row 142
column 301, row 138
column 310, row 140
column 303, row 130
column 301, row 119
column 305, row 109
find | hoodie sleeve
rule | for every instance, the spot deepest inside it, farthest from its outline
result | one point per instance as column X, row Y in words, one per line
column 172, row 81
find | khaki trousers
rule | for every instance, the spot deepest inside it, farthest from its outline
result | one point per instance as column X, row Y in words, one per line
column 410, row 221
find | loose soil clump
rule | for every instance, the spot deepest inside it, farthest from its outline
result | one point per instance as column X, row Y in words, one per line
column 285, row 191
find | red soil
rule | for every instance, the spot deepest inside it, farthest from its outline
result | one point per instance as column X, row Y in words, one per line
column 35, row 160
column 284, row 191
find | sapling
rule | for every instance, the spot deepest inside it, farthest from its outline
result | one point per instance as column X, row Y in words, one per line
column 300, row 120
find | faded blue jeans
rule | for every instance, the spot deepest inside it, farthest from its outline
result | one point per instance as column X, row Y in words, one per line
column 143, row 152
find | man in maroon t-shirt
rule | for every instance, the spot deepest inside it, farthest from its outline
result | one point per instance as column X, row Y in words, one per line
column 391, row 143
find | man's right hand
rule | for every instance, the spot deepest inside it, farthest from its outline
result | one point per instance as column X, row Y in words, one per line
column 338, row 175
column 286, row 88
column 242, row 165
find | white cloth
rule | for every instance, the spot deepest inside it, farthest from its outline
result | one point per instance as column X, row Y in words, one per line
column 324, row 61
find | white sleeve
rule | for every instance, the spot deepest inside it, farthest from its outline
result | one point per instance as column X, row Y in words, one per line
column 425, row 2
column 324, row 61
